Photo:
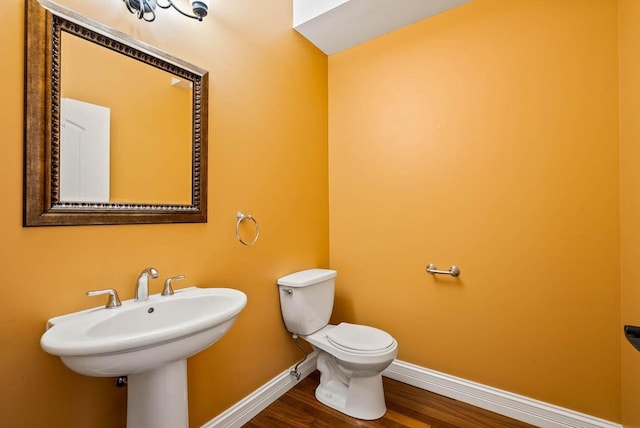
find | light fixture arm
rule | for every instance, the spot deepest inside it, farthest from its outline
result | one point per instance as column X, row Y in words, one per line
column 145, row 9
column 172, row 4
column 141, row 8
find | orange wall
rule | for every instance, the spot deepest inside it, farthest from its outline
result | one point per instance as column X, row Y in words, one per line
column 267, row 156
column 630, row 202
column 486, row 137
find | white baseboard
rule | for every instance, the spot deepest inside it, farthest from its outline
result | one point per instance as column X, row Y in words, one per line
column 243, row 411
column 505, row 403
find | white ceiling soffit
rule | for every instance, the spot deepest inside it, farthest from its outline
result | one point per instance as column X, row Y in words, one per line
column 335, row 25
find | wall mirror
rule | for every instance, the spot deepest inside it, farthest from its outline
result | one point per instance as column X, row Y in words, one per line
column 115, row 129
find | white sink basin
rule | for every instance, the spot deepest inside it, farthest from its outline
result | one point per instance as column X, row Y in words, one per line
column 149, row 342
column 140, row 336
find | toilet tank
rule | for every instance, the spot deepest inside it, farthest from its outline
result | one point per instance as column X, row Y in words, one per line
column 306, row 300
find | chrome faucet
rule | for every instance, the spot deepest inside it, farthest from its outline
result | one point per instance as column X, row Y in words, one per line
column 142, row 285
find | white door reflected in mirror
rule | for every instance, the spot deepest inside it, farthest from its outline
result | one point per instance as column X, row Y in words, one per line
column 84, row 151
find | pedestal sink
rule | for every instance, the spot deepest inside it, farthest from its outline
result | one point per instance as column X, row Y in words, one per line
column 149, row 342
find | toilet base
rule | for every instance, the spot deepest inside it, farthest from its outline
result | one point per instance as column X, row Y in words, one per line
column 361, row 397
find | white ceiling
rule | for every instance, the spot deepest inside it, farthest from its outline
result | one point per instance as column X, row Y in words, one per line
column 335, row 25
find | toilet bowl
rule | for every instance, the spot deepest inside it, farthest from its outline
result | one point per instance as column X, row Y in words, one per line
column 351, row 357
column 350, row 368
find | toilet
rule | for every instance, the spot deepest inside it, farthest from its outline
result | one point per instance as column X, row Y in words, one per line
column 351, row 357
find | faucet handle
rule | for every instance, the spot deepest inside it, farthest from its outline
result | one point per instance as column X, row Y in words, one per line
column 112, row 302
column 167, row 290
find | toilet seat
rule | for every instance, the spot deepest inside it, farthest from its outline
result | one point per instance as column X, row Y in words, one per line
column 360, row 339
column 320, row 340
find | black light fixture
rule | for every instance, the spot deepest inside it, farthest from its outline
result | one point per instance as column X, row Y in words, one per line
column 146, row 9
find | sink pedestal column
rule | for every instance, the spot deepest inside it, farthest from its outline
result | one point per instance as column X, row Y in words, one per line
column 158, row 398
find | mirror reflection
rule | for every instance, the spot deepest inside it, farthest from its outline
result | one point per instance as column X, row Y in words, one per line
column 115, row 114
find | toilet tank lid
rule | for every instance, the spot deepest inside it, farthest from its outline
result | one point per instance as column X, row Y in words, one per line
column 307, row 277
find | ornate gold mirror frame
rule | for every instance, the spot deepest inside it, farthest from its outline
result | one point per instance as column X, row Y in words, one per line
column 45, row 22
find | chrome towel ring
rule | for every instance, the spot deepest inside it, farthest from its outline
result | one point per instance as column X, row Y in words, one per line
column 240, row 216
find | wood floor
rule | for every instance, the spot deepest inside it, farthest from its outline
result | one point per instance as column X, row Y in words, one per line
column 407, row 406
